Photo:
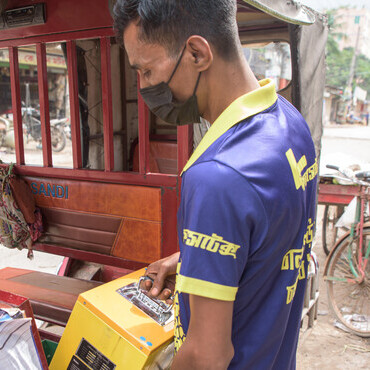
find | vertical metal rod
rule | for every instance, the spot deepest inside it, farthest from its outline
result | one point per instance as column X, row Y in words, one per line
column 74, row 104
column 107, row 103
column 16, row 105
column 44, row 104
column 143, row 113
column 184, row 145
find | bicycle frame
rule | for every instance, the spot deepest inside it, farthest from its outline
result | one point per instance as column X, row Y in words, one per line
column 355, row 231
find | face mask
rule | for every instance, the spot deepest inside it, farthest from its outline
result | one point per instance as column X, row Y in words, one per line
column 159, row 99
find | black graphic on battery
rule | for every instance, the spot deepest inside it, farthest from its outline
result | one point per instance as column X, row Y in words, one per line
column 90, row 356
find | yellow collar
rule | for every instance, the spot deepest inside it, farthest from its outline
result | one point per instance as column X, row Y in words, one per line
column 245, row 106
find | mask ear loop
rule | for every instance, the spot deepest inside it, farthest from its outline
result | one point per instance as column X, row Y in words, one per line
column 177, row 65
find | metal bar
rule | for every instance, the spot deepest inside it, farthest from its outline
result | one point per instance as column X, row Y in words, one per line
column 129, row 178
column 169, row 242
column 143, row 115
column 107, row 103
column 44, row 334
column 337, row 194
column 16, row 105
column 59, row 37
column 184, row 145
column 42, row 76
column 74, row 104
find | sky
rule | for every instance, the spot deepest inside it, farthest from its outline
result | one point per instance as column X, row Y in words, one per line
column 331, row 4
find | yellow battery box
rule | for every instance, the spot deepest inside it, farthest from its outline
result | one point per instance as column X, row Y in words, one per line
column 117, row 326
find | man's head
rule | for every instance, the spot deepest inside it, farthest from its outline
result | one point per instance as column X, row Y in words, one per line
column 201, row 36
column 171, row 22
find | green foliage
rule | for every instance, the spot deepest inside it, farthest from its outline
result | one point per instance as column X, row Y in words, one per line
column 362, row 73
column 339, row 62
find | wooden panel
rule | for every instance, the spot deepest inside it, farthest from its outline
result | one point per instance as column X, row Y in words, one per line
column 75, row 244
column 79, row 230
column 52, row 297
column 142, row 203
column 138, row 241
column 81, row 220
column 162, row 157
column 337, row 194
column 56, row 290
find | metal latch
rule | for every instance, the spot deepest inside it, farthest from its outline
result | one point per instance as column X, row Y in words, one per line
column 158, row 310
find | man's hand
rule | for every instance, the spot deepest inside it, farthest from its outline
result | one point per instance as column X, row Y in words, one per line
column 163, row 273
column 208, row 342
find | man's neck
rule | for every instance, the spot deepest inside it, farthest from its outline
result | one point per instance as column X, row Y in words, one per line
column 227, row 82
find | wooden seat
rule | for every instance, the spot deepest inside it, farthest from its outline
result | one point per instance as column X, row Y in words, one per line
column 52, row 297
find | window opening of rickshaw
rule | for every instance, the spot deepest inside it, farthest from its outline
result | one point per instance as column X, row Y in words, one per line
column 270, row 59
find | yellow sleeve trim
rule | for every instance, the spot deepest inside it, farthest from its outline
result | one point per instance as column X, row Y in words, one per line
column 205, row 288
column 245, row 106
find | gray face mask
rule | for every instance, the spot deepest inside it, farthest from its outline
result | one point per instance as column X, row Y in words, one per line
column 160, row 101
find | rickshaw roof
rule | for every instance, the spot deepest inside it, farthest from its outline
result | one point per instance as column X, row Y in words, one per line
column 289, row 11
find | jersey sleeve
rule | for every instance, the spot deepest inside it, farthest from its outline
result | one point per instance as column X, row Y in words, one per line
column 219, row 219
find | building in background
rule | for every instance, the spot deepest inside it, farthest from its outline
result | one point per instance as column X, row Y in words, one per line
column 350, row 24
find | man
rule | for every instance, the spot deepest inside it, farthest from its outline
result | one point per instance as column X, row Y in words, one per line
column 248, row 192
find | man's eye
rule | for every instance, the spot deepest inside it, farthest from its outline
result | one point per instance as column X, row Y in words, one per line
column 147, row 74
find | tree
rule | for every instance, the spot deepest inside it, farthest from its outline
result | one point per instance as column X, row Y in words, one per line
column 338, row 62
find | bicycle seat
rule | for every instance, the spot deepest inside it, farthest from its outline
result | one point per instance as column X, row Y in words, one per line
column 363, row 175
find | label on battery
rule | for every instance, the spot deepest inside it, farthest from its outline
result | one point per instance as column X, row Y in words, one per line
column 77, row 364
column 87, row 357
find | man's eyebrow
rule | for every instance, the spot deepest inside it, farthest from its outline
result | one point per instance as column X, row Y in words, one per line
column 136, row 67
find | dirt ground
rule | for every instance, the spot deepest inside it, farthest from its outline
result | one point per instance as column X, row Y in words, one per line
column 326, row 347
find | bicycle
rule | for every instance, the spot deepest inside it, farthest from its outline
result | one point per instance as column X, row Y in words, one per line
column 347, row 272
column 330, row 232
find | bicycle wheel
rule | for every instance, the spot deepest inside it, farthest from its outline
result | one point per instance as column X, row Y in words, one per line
column 58, row 139
column 349, row 299
column 330, row 233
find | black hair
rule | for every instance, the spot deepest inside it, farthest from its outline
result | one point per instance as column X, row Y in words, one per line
column 171, row 22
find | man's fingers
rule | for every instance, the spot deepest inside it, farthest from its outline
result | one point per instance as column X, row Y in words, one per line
column 148, row 284
column 158, row 283
column 165, row 294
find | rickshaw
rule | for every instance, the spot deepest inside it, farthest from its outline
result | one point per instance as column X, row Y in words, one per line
column 109, row 199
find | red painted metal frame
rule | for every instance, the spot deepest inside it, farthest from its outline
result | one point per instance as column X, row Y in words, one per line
column 184, row 145
column 74, row 104
column 337, row 194
column 58, row 37
column 44, row 334
column 106, row 76
column 170, row 243
column 16, row 105
column 15, row 300
column 130, row 178
column 42, row 76
column 64, row 268
column 144, row 117
column 61, row 16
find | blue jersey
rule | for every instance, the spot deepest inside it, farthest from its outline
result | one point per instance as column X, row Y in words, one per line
column 245, row 226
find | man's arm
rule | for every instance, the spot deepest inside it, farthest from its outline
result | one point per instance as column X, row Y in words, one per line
column 208, row 342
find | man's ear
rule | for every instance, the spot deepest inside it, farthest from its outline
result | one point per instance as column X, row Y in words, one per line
column 200, row 51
